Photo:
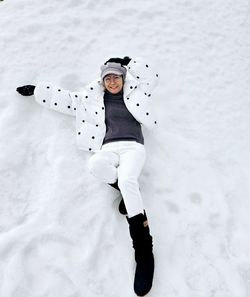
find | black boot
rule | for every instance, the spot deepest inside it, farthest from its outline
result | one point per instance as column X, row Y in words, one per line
column 122, row 207
column 142, row 243
column 115, row 185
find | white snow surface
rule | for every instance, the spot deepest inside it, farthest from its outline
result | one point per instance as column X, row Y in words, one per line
column 60, row 231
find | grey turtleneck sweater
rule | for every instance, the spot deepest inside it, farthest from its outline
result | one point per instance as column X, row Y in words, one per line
column 120, row 124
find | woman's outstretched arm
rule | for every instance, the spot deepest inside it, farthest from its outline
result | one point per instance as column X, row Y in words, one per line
column 52, row 97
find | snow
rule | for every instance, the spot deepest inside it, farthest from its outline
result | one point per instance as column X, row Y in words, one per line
column 60, row 232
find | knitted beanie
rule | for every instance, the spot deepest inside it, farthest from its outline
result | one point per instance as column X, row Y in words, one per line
column 113, row 68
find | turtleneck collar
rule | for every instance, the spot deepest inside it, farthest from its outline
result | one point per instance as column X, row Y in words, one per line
column 108, row 95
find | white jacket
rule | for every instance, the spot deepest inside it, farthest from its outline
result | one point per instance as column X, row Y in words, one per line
column 88, row 105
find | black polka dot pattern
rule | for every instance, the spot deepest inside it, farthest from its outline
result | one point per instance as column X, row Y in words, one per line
column 138, row 104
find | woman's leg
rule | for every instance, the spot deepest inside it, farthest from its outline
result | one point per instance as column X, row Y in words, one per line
column 132, row 159
column 125, row 160
column 103, row 165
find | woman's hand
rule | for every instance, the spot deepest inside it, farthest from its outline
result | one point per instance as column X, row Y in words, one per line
column 122, row 61
column 27, row 90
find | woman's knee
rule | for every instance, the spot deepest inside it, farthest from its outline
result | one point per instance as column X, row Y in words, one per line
column 103, row 166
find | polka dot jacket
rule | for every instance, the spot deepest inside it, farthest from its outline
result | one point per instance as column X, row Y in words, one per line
column 88, row 105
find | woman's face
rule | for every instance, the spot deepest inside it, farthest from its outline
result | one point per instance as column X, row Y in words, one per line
column 113, row 83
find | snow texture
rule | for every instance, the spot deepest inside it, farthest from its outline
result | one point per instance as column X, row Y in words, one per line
column 60, row 231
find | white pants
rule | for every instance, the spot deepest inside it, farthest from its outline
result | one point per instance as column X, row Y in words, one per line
column 122, row 160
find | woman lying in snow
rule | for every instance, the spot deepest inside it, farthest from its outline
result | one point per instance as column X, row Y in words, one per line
column 109, row 114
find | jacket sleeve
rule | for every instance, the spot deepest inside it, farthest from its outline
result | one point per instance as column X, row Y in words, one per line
column 56, row 98
column 145, row 73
